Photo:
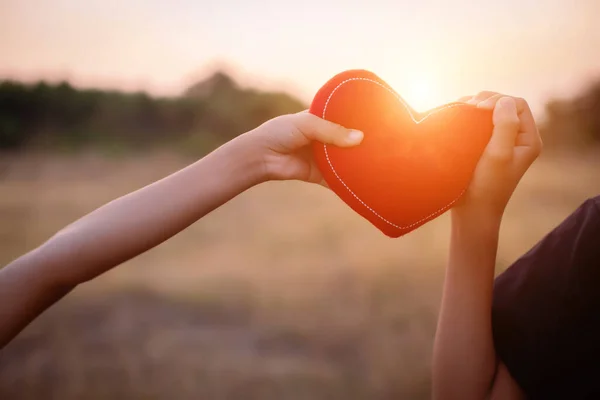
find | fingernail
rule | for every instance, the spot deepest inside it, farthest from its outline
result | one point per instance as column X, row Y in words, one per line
column 473, row 101
column 355, row 136
column 506, row 103
column 484, row 104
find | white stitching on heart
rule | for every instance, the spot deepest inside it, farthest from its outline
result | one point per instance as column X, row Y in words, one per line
column 438, row 212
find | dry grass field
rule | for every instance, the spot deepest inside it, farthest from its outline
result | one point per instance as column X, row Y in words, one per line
column 283, row 293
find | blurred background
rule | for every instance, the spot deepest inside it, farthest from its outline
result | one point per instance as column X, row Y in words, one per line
column 283, row 293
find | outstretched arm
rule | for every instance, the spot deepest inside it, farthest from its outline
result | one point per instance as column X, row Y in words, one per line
column 464, row 363
column 119, row 231
column 132, row 224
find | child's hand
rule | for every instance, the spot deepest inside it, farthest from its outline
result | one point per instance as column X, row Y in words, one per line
column 284, row 145
column 514, row 145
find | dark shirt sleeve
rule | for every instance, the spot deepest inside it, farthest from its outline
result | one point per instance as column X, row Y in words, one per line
column 546, row 311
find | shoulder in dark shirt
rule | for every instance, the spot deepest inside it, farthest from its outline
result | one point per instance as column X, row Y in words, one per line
column 546, row 311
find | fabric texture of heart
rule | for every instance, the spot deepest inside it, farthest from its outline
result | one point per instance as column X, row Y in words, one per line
column 410, row 167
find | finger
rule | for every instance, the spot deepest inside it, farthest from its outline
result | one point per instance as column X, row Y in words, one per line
column 531, row 138
column 315, row 175
column 464, row 99
column 490, row 102
column 529, row 145
column 481, row 96
column 523, row 109
column 526, row 155
column 315, row 128
column 528, row 124
column 523, row 140
column 506, row 127
column 528, row 132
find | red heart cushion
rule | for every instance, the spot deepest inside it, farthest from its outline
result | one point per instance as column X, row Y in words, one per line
column 410, row 167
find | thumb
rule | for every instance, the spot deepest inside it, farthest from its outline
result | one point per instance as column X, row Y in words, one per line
column 506, row 127
column 315, row 128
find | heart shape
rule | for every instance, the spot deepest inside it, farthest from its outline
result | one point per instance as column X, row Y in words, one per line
column 410, row 167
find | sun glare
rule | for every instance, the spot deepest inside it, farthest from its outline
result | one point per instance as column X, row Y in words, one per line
column 421, row 94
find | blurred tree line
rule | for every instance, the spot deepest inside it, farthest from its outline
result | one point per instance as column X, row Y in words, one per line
column 43, row 115
column 573, row 123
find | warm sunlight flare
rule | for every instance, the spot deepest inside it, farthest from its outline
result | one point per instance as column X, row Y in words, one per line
column 420, row 93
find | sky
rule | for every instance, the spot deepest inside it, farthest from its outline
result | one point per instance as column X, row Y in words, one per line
column 430, row 51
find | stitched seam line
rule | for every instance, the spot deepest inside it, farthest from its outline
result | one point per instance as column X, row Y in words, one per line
column 438, row 212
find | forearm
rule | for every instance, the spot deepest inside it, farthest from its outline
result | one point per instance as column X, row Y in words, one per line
column 121, row 230
column 464, row 357
column 25, row 293
column 132, row 224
